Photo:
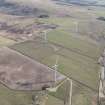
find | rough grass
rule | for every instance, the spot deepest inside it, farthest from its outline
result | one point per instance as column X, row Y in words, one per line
column 78, row 45
column 81, row 71
column 9, row 97
column 5, row 41
column 54, row 101
column 77, row 59
column 80, row 96
column 37, row 51
column 60, row 21
column 71, row 64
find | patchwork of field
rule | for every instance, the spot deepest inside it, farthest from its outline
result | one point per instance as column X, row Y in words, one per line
column 76, row 61
column 66, row 40
column 9, row 97
column 71, row 62
column 81, row 95
column 88, row 29
column 76, row 43
column 54, row 101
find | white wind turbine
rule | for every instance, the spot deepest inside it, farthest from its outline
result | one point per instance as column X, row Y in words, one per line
column 45, row 35
column 55, row 68
column 70, row 82
column 76, row 26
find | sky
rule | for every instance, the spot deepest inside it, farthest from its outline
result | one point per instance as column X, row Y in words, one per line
column 29, row 1
column 33, row 3
column 48, row 3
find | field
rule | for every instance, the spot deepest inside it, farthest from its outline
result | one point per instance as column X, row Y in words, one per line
column 76, row 44
column 9, row 97
column 13, row 76
column 80, row 66
column 90, row 29
column 70, row 62
column 5, row 41
column 22, row 73
column 78, row 57
column 81, row 95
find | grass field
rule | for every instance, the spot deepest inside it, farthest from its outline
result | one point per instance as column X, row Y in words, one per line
column 78, row 45
column 9, row 97
column 62, row 22
column 77, row 59
column 54, row 101
column 80, row 96
column 71, row 64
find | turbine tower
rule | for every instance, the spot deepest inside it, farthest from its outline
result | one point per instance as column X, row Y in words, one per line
column 68, row 93
column 76, row 26
column 45, row 35
column 55, row 67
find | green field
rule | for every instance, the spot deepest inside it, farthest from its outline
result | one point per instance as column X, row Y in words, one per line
column 72, row 64
column 77, row 60
column 62, row 22
column 80, row 96
column 10, row 97
column 54, row 101
column 77, row 51
column 78, row 45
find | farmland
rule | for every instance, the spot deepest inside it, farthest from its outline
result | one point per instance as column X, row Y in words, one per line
column 74, row 65
column 77, row 60
column 46, row 54
column 74, row 37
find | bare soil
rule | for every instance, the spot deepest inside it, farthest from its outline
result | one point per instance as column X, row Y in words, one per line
column 19, row 72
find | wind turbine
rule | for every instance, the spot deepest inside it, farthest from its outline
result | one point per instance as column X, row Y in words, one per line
column 76, row 26
column 68, row 92
column 69, row 87
column 45, row 35
column 55, row 68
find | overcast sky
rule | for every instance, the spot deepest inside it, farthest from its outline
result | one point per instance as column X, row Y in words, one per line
column 29, row 1
column 46, row 3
